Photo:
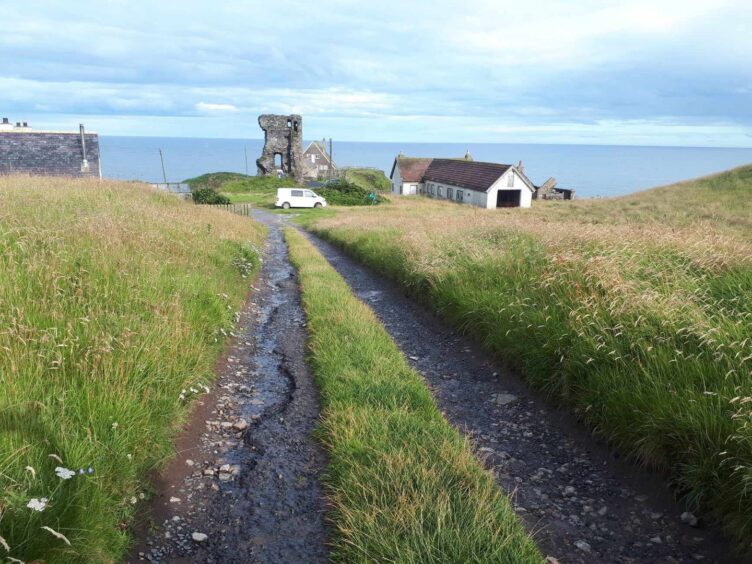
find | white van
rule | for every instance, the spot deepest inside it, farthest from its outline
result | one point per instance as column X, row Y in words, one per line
column 298, row 198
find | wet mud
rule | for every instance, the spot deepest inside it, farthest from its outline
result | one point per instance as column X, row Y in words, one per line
column 245, row 486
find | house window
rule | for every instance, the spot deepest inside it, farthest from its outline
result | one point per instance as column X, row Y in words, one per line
column 510, row 180
column 438, row 191
column 450, row 193
column 459, row 195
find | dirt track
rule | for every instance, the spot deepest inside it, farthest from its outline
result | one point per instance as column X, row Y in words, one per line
column 254, row 491
column 580, row 501
column 247, row 474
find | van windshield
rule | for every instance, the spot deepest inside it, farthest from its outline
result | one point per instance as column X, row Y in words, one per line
column 310, row 194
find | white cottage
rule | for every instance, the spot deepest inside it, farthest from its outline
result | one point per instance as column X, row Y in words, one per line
column 486, row 185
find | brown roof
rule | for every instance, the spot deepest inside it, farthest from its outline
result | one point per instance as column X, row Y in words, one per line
column 474, row 175
column 412, row 169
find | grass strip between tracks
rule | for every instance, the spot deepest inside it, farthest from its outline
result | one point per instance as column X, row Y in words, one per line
column 403, row 484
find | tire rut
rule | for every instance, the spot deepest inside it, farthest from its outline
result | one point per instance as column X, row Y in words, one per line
column 581, row 502
column 249, row 481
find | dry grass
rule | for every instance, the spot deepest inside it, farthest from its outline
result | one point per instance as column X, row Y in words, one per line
column 114, row 302
column 636, row 312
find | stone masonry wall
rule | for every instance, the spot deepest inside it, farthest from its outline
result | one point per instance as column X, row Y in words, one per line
column 46, row 153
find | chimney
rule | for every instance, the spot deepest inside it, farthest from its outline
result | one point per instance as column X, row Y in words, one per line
column 521, row 167
column 26, row 124
column 18, row 124
column 5, row 121
column 84, row 162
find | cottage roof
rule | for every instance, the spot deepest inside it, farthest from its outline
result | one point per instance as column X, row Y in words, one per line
column 474, row 175
column 320, row 148
column 411, row 169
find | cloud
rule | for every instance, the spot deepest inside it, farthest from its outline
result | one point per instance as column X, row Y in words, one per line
column 209, row 107
column 598, row 63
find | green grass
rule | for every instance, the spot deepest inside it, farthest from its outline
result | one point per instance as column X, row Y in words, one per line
column 635, row 312
column 114, row 299
column 403, row 484
column 366, row 178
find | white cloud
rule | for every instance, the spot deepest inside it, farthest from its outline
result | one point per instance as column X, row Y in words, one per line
column 212, row 108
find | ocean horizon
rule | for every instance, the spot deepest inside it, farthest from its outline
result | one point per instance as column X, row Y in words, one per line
column 591, row 170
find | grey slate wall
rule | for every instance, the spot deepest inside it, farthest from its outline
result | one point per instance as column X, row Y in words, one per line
column 47, row 153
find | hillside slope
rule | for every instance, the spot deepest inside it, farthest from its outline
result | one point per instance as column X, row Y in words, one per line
column 634, row 312
column 114, row 304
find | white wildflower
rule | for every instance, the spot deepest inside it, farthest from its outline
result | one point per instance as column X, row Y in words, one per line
column 33, row 472
column 134, row 501
column 37, row 504
column 194, row 390
column 61, row 536
column 64, row 473
column 206, row 388
column 129, row 456
column 114, row 425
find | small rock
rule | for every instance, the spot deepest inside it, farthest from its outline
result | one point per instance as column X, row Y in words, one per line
column 199, row 537
column 569, row 491
column 189, row 462
column 226, row 424
column 504, row 399
column 603, row 510
column 656, row 516
column 641, row 498
column 689, row 519
column 241, row 425
column 656, row 540
column 209, row 472
column 582, row 545
column 551, row 560
column 174, row 499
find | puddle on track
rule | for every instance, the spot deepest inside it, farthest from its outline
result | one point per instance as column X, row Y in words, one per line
column 249, row 479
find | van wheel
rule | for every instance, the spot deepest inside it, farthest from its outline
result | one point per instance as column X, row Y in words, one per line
column 286, row 205
column 317, row 205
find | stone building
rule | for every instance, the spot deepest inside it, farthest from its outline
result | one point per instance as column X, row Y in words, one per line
column 283, row 146
column 24, row 150
column 317, row 162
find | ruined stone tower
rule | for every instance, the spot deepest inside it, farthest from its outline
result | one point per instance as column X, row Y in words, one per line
column 283, row 140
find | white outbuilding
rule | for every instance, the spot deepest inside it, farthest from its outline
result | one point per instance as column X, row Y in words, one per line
column 486, row 185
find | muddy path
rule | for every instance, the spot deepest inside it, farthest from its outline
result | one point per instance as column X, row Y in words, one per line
column 245, row 487
column 580, row 501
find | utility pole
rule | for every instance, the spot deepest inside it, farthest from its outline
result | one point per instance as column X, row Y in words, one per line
column 245, row 150
column 164, row 172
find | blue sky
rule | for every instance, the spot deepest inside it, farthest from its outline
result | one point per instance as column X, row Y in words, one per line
column 658, row 72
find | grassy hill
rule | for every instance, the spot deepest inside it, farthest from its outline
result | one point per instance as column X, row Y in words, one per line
column 115, row 301
column 634, row 312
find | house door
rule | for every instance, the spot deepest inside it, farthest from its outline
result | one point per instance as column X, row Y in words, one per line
column 508, row 198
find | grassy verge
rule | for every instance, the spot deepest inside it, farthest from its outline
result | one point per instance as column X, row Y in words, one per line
column 114, row 304
column 404, row 486
column 635, row 312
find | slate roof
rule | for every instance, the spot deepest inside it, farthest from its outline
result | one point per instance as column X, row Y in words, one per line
column 412, row 169
column 474, row 175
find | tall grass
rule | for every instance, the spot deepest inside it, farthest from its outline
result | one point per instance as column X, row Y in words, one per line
column 635, row 312
column 403, row 485
column 114, row 303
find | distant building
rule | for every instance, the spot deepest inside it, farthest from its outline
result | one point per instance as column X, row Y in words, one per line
column 486, row 185
column 549, row 191
column 317, row 163
column 24, row 150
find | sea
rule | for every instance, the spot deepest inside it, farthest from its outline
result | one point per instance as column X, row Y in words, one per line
column 592, row 170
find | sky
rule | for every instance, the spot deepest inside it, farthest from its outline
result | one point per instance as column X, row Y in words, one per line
column 625, row 72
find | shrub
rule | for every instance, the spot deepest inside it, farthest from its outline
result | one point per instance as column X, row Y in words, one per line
column 344, row 193
column 208, row 196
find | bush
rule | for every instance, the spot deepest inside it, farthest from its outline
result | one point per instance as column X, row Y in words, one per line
column 344, row 193
column 208, row 196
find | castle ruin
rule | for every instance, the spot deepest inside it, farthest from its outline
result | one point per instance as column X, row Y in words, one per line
column 283, row 146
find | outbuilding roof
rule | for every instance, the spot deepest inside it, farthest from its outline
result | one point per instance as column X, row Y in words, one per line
column 411, row 169
column 473, row 175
